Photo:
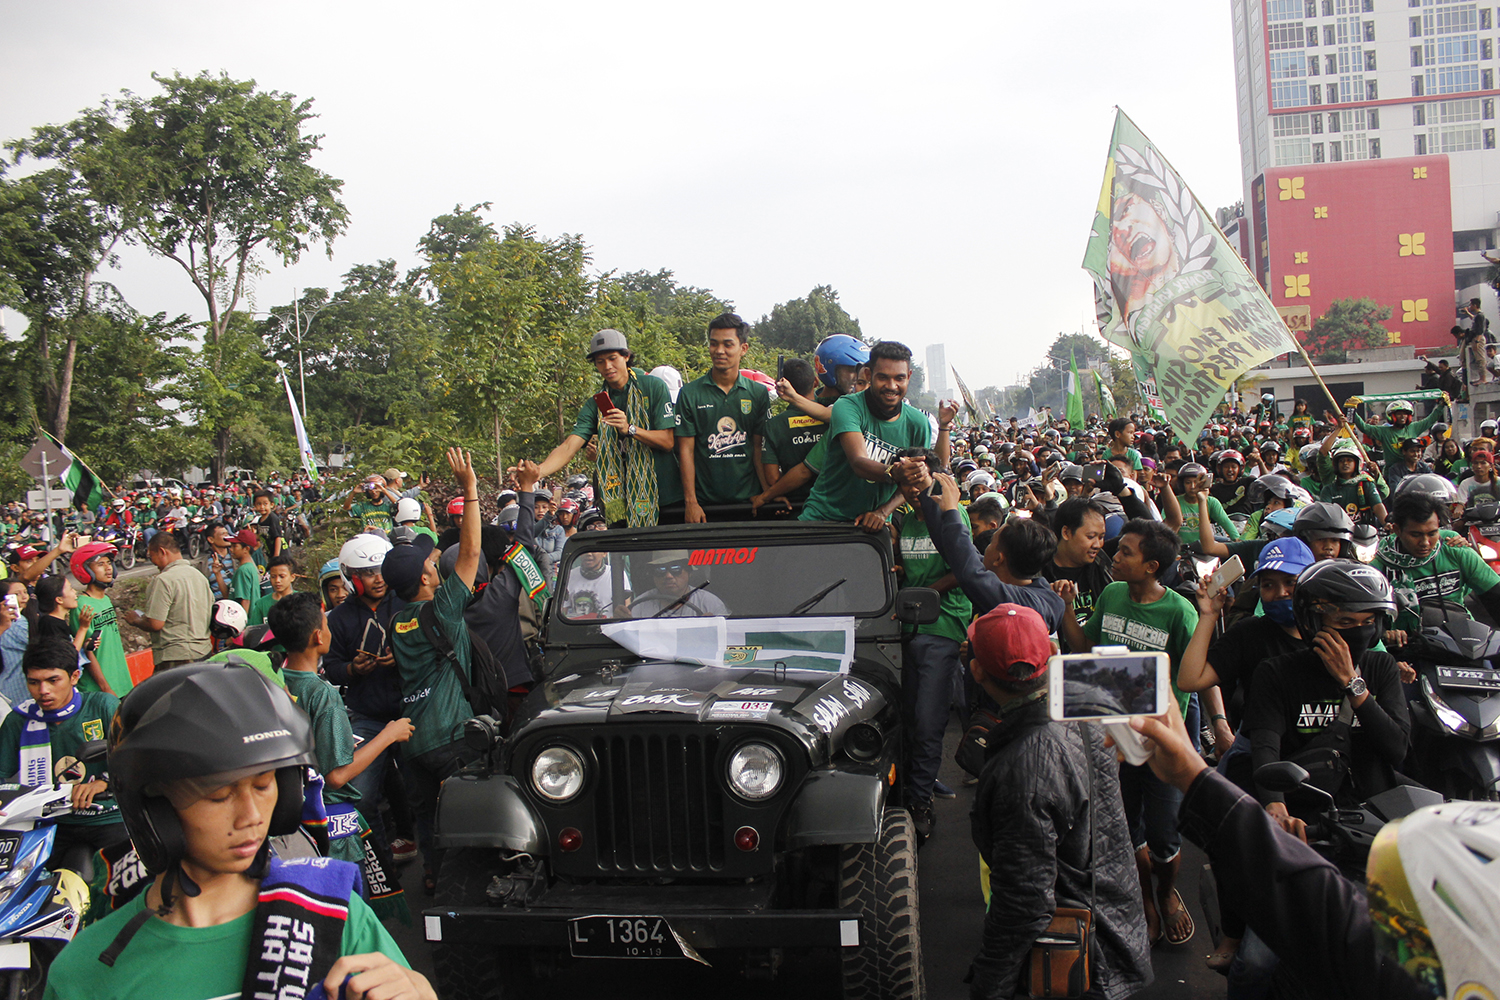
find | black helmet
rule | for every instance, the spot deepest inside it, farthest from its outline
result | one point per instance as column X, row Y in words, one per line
column 578, row 481
column 1346, row 584
column 1191, row 469
column 1427, row 484
column 1323, row 520
column 220, row 721
column 589, row 517
column 1272, row 485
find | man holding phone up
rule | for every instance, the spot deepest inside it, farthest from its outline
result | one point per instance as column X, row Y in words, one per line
column 634, row 419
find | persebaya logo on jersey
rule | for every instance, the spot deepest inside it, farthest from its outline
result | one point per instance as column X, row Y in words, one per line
column 93, row 729
column 745, row 407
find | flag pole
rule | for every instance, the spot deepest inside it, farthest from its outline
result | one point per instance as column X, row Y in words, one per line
column 1337, row 408
column 97, row 479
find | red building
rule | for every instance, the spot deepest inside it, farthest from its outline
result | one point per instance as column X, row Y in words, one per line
column 1379, row 229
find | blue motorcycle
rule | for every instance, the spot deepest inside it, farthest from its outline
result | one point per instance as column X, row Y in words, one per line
column 40, row 909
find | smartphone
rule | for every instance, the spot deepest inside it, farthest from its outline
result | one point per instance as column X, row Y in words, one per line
column 1227, row 573
column 1094, row 472
column 780, row 365
column 935, row 491
column 13, row 602
column 603, row 402
column 373, row 639
column 1108, row 686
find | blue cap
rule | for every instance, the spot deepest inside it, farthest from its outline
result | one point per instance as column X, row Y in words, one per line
column 1285, row 555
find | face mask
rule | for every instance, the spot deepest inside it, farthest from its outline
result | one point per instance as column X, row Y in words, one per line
column 1280, row 611
column 1358, row 639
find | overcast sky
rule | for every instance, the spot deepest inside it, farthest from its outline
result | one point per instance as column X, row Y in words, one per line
column 937, row 164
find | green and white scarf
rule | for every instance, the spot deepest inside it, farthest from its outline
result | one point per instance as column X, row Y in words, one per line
column 626, row 466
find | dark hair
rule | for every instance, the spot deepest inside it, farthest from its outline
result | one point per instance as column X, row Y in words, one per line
column 889, row 350
column 282, row 560
column 294, row 618
column 262, row 493
column 1119, row 424
column 983, row 539
column 1405, row 508
column 1070, row 513
column 988, row 508
column 164, row 540
column 1027, row 545
column 50, row 653
column 926, row 455
column 1159, row 543
column 729, row 321
column 48, row 590
column 800, row 374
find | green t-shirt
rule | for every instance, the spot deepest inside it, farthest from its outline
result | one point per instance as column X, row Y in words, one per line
column 1164, row 626
column 723, row 426
column 1390, row 437
column 333, row 738
column 840, row 495
column 430, row 695
column 923, row 567
column 380, row 515
column 1189, row 530
column 111, row 652
column 789, row 437
column 168, row 962
column 421, row 530
column 90, row 722
column 1356, row 496
column 246, row 583
column 661, row 418
column 260, row 607
column 1130, row 453
column 1453, row 573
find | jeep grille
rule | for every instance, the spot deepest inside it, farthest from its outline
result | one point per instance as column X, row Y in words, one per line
column 659, row 809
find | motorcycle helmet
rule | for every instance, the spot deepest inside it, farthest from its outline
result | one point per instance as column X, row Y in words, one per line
column 1271, row 485
column 1308, row 456
column 1345, row 584
column 1439, row 431
column 1229, row 455
column 363, row 551
column 117, row 503
column 227, row 620
column 184, row 732
column 329, row 570
column 567, row 506
column 85, row 554
column 577, row 482
column 403, row 534
column 1191, row 470
column 1073, row 472
column 407, row 510
column 1434, row 897
column 839, row 349
column 1278, row 523
column 1398, row 406
column 1324, row 520
column 590, row 517
column 455, row 506
column 1428, row 484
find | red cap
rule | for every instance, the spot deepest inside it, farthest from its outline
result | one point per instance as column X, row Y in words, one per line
column 1010, row 643
column 245, row 537
column 456, row 506
column 1487, row 456
column 27, row 552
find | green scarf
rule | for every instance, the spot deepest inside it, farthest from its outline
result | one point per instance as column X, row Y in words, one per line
column 627, row 467
column 1391, row 554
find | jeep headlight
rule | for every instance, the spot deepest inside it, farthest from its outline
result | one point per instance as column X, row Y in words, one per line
column 755, row 771
column 557, row 774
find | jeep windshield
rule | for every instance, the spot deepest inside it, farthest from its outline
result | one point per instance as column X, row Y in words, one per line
column 603, row 582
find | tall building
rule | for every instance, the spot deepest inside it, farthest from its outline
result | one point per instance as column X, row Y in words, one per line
column 937, row 371
column 1325, row 89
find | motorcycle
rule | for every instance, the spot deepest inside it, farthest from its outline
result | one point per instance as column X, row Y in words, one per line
column 1482, row 524
column 132, row 545
column 40, row 908
column 197, row 535
column 1456, row 716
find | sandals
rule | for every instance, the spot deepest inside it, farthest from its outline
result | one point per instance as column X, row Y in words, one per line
column 1185, row 928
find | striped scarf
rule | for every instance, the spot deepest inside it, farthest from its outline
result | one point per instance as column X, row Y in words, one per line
column 627, row 467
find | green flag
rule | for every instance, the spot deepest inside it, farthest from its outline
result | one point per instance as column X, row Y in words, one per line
column 79, row 480
column 1107, row 407
column 1075, row 393
column 1169, row 288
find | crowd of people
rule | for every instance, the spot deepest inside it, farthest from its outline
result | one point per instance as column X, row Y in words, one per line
column 1038, row 538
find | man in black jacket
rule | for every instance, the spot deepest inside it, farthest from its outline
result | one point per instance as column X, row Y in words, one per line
column 1048, row 822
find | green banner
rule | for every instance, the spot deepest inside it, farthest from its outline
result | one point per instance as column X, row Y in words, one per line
column 1107, row 407
column 1075, row 393
column 1169, row 288
column 1387, row 397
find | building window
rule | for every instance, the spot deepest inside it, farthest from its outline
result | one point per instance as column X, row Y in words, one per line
column 1312, row 8
column 1317, row 124
column 1374, row 149
column 1370, row 61
column 1487, row 79
column 1486, row 49
column 1332, row 63
column 1333, row 93
column 1373, row 115
column 1372, row 92
column 1413, row 3
column 1419, row 145
column 1416, row 27
column 1312, row 66
column 1416, row 87
column 1329, row 36
column 1369, row 31
column 1334, row 121
column 1416, row 55
column 1335, row 152
column 1484, row 19
column 1312, row 37
column 1315, row 94
column 1489, row 138
column 1327, row 8
column 1317, row 152
column 1489, row 108
column 1285, row 36
column 1419, row 114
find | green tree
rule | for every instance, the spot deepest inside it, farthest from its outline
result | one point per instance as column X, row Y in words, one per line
column 799, row 325
column 1348, row 323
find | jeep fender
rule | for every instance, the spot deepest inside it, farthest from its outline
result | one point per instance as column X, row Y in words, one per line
column 835, row 807
column 488, row 811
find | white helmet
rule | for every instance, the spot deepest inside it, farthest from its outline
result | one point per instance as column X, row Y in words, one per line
column 1434, row 892
column 363, row 551
column 407, row 509
column 979, row 478
column 117, row 503
column 229, row 619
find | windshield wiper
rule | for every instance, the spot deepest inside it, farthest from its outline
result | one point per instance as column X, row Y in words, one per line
column 683, row 599
column 812, row 601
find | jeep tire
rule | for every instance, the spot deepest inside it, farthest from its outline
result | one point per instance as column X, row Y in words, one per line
column 474, row 972
column 880, row 881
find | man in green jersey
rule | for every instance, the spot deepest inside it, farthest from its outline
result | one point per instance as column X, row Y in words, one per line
column 637, row 467
column 94, row 566
column 1399, row 427
column 1423, row 569
column 791, row 434
column 1351, row 489
column 720, row 421
column 373, row 504
column 861, row 471
column 930, row 652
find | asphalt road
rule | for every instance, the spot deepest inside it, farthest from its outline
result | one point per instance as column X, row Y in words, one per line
column 952, row 919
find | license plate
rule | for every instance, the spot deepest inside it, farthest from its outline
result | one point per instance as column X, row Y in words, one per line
column 1464, row 677
column 622, row 937
column 1490, row 530
column 10, row 843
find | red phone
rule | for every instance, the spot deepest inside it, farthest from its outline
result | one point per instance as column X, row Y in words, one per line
column 603, row 402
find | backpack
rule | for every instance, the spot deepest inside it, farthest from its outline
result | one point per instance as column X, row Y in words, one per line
column 486, row 693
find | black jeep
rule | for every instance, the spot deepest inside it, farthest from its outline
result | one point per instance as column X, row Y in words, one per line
column 708, row 769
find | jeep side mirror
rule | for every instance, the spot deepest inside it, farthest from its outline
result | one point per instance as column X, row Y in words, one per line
column 917, row 606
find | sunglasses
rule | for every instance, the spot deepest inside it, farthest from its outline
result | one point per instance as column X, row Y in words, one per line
column 674, row 569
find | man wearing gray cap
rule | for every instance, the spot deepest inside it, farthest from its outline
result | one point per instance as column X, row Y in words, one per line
column 637, row 467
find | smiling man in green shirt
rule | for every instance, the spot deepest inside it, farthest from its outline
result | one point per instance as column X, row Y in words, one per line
column 720, row 419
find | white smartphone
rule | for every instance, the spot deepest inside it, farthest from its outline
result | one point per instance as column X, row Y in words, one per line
column 1108, row 686
column 1226, row 574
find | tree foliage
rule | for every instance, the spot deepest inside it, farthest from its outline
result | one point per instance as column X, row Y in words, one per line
column 799, row 325
column 1347, row 324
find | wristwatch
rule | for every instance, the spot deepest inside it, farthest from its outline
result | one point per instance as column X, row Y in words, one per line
column 1356, row 687
column 630, row 431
